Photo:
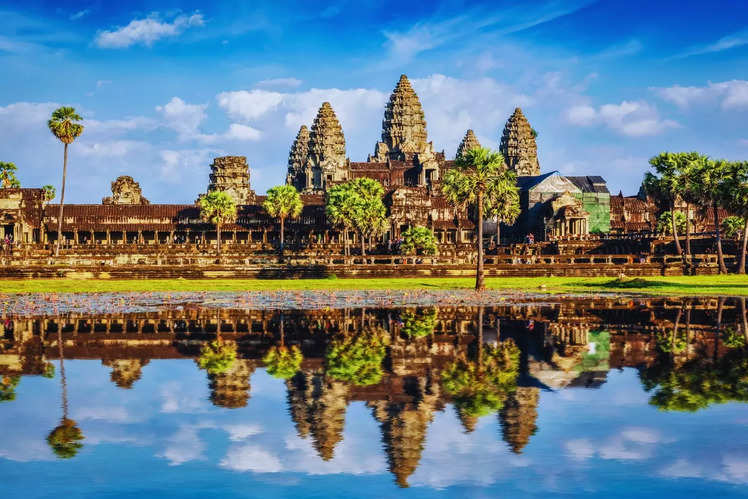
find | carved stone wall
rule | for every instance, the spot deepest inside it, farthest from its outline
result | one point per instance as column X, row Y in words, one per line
column 230, row 174
column 125, row 190
column 518, row 145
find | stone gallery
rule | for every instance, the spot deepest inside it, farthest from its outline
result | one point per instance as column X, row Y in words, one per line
column 405, row 163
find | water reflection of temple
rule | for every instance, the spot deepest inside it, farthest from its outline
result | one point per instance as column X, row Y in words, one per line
column 563, row 345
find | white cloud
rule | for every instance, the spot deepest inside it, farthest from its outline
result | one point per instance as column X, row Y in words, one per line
column 727, row 42
column 579, row 449
column 80, row 14
column 110, row 148
column 251, row 458
column 732, row 94
column 147, row 31
column 279, row 82
column 186, row 119
column 249, row 105
column 242, row 431
column 631, row 118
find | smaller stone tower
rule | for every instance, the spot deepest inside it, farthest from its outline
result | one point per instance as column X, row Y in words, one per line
column 297, row 175
column 518, row 145
column 231, row 175
column 470, row 141
column 326, row 161
column 125, row 191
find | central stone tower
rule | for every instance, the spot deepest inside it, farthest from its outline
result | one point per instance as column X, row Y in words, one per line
column 518, row 145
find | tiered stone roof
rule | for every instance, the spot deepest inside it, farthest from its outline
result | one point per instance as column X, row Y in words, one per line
column 326, row 140
column 518, row 145
column 297, row 158
column 470, row 141
column 125, row 190
column 404, row 125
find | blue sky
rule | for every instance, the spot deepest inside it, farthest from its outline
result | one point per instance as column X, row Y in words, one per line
column 166, row 86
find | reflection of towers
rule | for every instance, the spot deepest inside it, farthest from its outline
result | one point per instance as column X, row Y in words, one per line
column 317, row 405
column 518, row 416
column 231, row 389
column 468, row 421
column 404, row 426
column 125, row 372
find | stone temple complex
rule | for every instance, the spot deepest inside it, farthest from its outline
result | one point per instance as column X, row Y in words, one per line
column 404, row 161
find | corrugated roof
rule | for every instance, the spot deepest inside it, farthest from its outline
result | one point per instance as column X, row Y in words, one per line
column 590, row 184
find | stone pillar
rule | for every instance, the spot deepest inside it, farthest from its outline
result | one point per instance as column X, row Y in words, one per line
column 108, row 238
column 140, row 237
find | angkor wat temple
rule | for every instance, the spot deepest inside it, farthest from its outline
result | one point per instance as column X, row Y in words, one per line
column 404, row 161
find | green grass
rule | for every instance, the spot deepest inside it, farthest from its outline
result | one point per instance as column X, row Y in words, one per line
column 733, row 285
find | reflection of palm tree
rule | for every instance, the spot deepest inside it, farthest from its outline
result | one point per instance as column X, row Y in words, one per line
column 480, row 386
column 65, row 438
column 283, row 362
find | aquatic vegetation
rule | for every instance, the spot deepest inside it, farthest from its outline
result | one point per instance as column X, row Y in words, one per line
column 283, row 362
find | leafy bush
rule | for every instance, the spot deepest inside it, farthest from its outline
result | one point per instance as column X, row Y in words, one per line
column 8, row 386
column 65, row 439
column 665, row 225
column 418, row 241
column 733, row 226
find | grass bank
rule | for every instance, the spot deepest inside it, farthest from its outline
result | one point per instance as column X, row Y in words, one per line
column 732, row 285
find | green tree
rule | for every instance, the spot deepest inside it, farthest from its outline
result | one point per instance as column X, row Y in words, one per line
column 8, row 178
column 218, row 208
column 666, row 186
column 665, row 222
column 705, row 185
column 283, row 202
column 418, row 241
column 733, row 226
column 49, row 192
column 481, row 179
column 735, row 199
column 358, row 205
column 64, row 125
column 358, row 359
column 281, row 361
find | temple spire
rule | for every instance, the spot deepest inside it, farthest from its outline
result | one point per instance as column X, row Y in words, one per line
column 518, row 145
column 326, row 162
column 297, row 158
column 404, row 125
column 470, row 141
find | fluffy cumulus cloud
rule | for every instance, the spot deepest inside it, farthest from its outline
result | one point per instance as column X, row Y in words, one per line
column 632, row 444
column 630, row 118
column 730, row 95
column 147, row 31
column 187, row 119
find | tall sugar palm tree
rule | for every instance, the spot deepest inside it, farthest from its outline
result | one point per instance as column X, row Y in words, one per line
column 283, row 202
column 64, row 125
column 218, row 208
column 667, row 186
column 481, row 179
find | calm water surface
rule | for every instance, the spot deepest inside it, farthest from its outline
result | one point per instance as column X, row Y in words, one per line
column 588, row 397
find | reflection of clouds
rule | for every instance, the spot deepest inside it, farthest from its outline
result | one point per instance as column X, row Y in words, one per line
column 185, row 445
column 731, row 468
column 251, row 458
column 175, row 398
column 453, row 457
column 353, row 456
column 111, row 414
column 633, row 443
column 242, row 431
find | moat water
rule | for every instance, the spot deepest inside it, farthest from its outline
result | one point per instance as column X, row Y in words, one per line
column 348, row 395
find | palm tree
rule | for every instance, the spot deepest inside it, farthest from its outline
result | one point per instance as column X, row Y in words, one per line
column 65, row 438
column 666, row 187
column 357, row 205
column 8, row 178
column 218, row 208
column 283, row 202
column 64, row 126
column 707, row 188
column 735, row 198
column 480, row 178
